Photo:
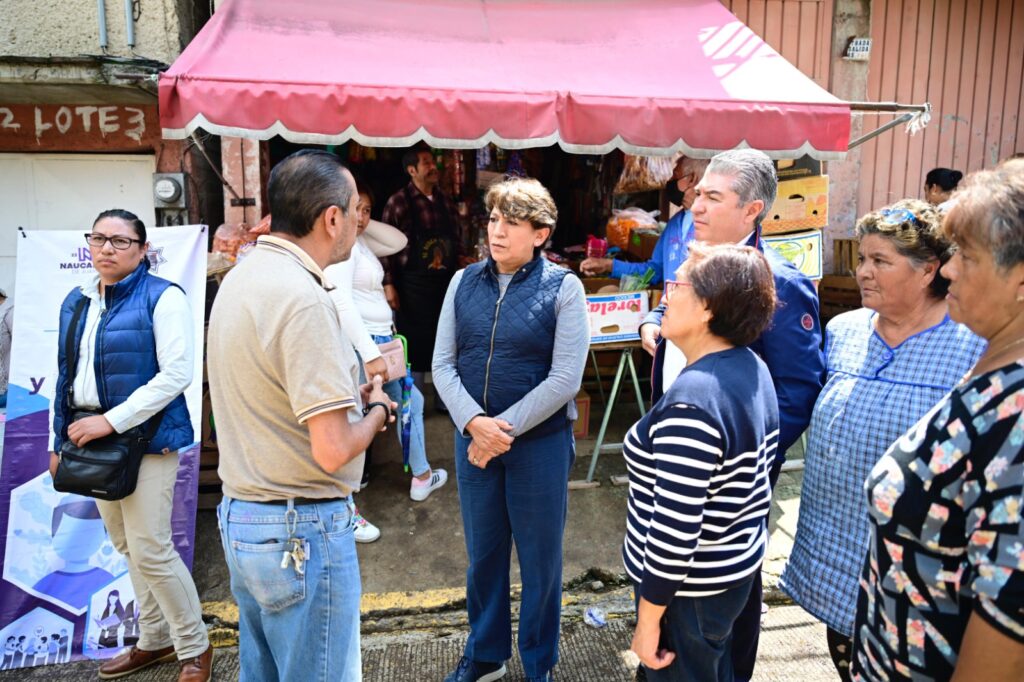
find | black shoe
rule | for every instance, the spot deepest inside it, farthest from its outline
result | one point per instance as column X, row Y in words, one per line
column 476, row 671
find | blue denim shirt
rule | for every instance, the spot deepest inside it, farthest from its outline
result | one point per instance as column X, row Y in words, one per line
column 669, row 252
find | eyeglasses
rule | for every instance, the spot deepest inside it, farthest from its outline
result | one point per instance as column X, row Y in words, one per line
column 119, row 243
column 672, row 284
column 897, row 216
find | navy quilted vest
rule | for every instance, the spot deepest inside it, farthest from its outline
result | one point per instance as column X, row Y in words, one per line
column 125, row 357
column 505, row 346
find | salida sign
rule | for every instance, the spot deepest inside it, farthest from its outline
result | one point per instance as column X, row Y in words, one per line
column 77, row 127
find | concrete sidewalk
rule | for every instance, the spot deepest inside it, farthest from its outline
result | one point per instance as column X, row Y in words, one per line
column 792, row 648
column 414, row 622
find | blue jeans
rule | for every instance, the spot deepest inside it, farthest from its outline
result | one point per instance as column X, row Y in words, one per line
column 699, row 631
column 291, row 626
column 522, row 495
column 417, row 447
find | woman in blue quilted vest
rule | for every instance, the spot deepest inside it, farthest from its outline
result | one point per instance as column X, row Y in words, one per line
column 135, row 359
column 511, row 347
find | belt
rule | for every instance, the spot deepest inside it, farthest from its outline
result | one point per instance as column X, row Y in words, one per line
column 302, row 501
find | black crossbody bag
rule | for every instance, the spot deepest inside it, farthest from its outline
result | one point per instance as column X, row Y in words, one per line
column 106, row 468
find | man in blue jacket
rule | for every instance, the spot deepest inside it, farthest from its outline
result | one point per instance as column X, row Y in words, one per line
column 671, row 249
column 732, row 199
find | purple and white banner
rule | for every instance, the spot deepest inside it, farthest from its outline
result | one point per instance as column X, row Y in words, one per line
column 65, row 592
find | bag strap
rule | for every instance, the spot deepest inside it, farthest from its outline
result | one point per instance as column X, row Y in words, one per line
column 71, row 357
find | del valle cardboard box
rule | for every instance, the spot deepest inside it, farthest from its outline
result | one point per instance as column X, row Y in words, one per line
column 614, row 316
column 801, row 204
column 802, row 249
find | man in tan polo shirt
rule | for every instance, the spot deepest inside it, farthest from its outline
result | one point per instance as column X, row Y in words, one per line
column 291, row 431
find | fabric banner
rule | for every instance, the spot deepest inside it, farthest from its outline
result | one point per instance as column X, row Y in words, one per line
column 65, row 593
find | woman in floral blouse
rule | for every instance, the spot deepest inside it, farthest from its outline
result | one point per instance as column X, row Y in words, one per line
column 942, row 590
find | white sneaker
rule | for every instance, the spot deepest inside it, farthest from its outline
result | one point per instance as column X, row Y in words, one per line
column 365, row 531
column 420, row 490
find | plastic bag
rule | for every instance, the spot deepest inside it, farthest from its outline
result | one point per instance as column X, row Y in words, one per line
column 228, row 238
column 636, row 282
column 624, row 221
column 262, row 227
column 644, row 173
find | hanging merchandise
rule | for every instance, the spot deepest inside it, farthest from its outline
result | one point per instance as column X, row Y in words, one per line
column 355, row 152
column 644, row 173
column 484, row 158
column 515, row 165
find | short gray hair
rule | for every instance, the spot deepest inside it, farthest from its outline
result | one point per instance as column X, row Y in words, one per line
column 990, row 209
column 753, row 176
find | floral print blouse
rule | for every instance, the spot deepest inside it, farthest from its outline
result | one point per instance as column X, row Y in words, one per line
column 947, row 537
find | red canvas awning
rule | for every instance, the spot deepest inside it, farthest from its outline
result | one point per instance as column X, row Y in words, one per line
column 644, row 76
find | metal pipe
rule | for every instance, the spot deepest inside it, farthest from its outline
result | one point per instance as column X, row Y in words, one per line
column 202, row 150
column 887, row 106
column 878, row 131
column 129, row 22
column 101, row 9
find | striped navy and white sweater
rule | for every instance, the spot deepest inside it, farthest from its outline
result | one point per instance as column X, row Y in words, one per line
column 698, row 479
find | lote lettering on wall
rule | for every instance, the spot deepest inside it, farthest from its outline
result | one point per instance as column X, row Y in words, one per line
column 78, row 127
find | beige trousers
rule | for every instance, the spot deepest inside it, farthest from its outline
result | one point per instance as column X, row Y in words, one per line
column 140, row 528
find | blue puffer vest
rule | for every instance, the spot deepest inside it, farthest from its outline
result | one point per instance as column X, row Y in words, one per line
column 125, row 357
column 504, row 346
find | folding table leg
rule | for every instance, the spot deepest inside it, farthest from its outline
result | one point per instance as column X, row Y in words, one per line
column 597, row 375
column 623, row 360
column 640, row 402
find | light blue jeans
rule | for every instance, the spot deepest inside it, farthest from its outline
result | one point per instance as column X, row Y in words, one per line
column 293, row 626
column 417, row 447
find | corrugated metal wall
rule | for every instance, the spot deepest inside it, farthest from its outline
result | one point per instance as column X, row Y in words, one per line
column 966, row 57
column 800, row 30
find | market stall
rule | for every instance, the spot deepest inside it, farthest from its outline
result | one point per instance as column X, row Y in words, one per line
column 589, row 78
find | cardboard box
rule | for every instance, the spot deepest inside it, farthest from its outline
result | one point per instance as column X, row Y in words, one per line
column 615, row 318
column 788, row 169
column 581, row 428
column 801, row 204
column 594, row 285
column 802, row 250
column 642, row 243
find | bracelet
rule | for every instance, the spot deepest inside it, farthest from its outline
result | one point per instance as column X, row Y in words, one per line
column 370, row 406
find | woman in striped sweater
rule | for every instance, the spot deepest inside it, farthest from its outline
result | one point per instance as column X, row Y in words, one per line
column 698, row 469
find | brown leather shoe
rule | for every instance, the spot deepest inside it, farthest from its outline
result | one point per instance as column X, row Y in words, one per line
column 198, row 669
column 133, row 660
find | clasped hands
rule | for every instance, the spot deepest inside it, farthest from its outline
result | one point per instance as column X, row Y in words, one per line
column 491, row 438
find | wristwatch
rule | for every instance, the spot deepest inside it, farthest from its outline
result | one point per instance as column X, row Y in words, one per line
column 370, row 406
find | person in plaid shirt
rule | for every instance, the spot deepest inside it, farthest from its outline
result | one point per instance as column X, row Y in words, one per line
column 416, row 278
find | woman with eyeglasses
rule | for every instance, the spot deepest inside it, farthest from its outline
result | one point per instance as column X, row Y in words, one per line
column 887, row 364
column 699, row 464
column 135, row 359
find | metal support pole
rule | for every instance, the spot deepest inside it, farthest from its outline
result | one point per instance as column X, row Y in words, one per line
column 878, row 131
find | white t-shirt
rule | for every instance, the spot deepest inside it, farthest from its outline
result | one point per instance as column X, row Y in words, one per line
column 358, row 296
